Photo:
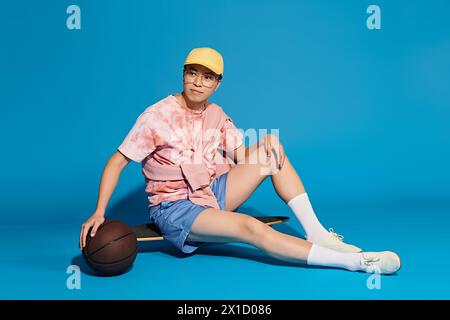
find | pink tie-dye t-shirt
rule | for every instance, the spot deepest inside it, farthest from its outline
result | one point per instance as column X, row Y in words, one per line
column 166, row 132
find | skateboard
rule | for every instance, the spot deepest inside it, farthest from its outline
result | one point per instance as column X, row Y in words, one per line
column 150, row 232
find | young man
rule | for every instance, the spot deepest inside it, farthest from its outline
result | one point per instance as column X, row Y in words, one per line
column 198, row 171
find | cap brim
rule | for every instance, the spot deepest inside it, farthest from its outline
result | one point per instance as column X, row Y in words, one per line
column 193, row 61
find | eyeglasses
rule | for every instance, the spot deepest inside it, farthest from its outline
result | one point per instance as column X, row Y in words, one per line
column 208, row 80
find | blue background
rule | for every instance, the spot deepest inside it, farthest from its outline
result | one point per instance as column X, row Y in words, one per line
column 363, row 116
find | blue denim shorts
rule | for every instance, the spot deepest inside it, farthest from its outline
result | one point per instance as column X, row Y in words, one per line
column 175, row 218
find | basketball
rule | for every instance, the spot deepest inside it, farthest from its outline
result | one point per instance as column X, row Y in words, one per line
column 112, row 250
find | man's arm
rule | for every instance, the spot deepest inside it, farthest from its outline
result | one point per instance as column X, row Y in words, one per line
column 120, row 159
column 110, row 177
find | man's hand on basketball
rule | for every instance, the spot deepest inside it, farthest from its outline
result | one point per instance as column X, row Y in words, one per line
column 93, row 222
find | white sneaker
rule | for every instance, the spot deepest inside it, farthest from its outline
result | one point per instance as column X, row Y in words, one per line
column 335, row 241
column 384, row 262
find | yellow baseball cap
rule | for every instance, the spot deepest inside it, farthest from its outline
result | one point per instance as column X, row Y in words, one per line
column 207, row 57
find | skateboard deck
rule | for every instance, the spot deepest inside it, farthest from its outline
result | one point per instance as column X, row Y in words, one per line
column 150, row 232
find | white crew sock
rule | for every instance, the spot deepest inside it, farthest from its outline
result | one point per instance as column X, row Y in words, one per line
column 322, row 256
column 304, row 212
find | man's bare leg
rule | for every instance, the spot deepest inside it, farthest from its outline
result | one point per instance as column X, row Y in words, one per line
column 213, row 225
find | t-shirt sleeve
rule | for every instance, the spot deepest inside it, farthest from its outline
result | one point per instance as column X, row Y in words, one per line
column 140, row 140
column 232, row 137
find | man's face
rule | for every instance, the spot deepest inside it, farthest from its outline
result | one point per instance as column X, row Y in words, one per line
column 199, row 82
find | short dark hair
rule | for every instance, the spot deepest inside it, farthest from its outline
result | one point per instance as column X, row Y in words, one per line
column 219, row 77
